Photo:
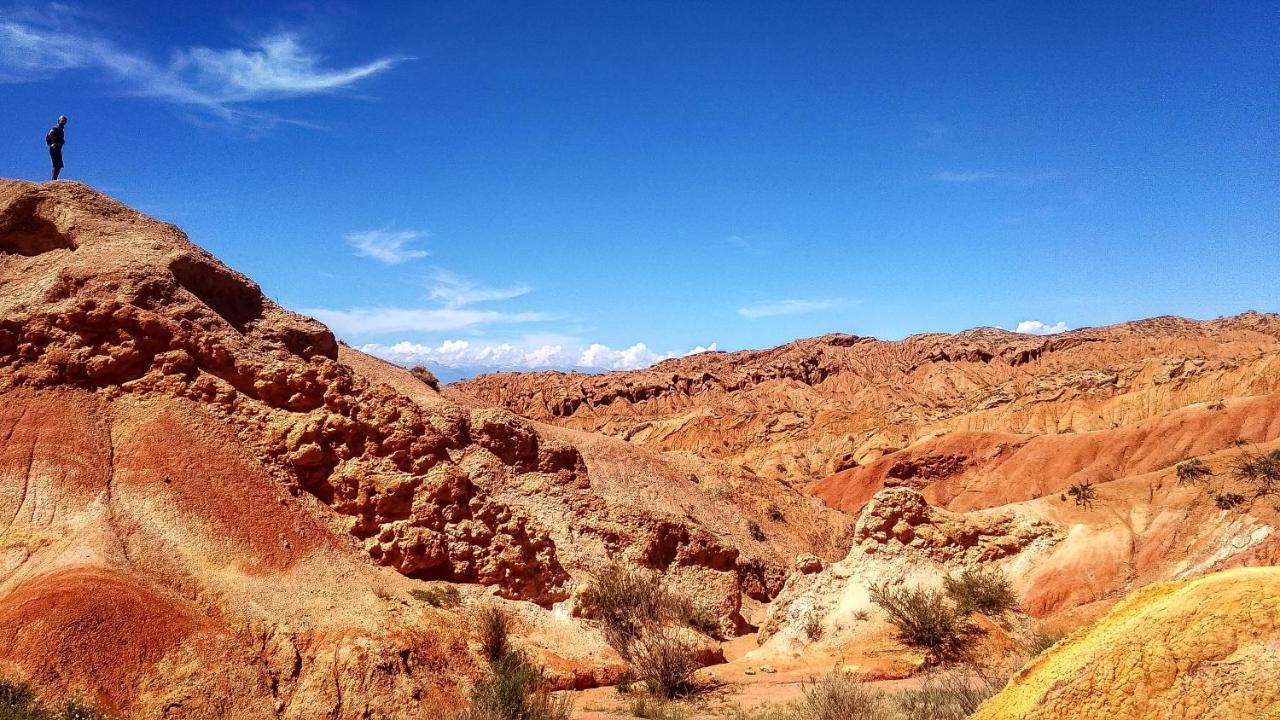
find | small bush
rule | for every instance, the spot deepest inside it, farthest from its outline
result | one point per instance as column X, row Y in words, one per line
column 665, row 660
column 516, row 690
column 1228, row 501
column 1084, row 493
column 757, row 532
column 19, row 702
column 624, row 600
column 1218, row 405
column 811, row 625
column 774, row 513
column 950, row 695
column 1041, row 641
column 625, row 682
column 840, row 696
column 427, row 377
column 441, row 596
column 651, row 708
column 1193, row 471
column 924, row 619
column 1239, row 442
column 986, row 591
column 495, row 632
column 687, row 611
column 1261, row 473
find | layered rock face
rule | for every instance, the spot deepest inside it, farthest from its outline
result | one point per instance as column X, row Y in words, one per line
column 1203, row 649
column 213, row 509
column 812, row 408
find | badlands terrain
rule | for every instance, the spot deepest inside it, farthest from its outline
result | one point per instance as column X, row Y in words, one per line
column 214, row 509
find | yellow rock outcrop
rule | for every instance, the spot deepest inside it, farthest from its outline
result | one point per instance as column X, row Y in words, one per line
column 1202, row 649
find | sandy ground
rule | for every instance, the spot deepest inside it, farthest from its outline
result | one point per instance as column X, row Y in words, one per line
column 738, row 683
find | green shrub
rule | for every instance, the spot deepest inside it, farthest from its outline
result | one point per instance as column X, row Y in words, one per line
column 19, row 702
column 946, row 696
column 986, row 591
column 651, row 708
column 926, row 620
column 624, row 599
column 665, row 660
column 840, row 696
column 515, row 690
column 494, row 624
column 811, row 625
column 441, row 596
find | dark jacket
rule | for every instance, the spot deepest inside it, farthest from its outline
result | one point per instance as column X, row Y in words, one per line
column 55, row 136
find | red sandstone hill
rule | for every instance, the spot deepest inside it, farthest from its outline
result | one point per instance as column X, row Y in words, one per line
column 213, row 509
column 811, row 408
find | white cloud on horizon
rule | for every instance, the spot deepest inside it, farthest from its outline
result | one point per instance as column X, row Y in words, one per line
column 221, row 81
column 1035, row 327
column 508, row 356
column 387, row 246
column 379, row 320
column 454, row 291
column 786, row 307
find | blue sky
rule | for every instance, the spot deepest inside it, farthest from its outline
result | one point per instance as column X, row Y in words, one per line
column 600, row 184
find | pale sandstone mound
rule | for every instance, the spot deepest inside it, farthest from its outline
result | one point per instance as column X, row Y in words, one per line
column 176, row 447
column 1204, row 649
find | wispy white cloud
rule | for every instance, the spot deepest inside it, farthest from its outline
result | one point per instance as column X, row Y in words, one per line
column 455, row 291
column 787, row 307
column 382, row 320
column 220, row 81
column 568, row 353
column 387, row 246
column 1035, row 327
column 965, row 176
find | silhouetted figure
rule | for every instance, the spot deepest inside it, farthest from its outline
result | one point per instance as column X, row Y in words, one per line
column 55, row 139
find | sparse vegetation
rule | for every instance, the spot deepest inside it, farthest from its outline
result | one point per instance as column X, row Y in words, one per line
column 927, row 620
column 1228, row 501
column 663, row 657
column 1217, row 405
column 1259, row 472
column 840, row 696
column 757, row 532
column 494, row 624
column 652, row 708
column 1083, row 493
column 1193, row 472
column 950, row 695
column 516, row 690
column 1254, row 475
column 986, row 591
column 1239, row 442
column 19, row 702
column 427, row 377
column 644, row 621
column 811, row 625
column 774, row 513
column 441, row 596
column 1041, row 641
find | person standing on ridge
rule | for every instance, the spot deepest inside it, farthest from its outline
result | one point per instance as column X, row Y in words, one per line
column 55, row 139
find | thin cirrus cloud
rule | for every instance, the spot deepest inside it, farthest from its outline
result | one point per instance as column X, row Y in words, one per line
column 391, row 247
column 220, row 81
column 787, row 307
column 382, row 320
column 1035, row 327
column 565, row 353
column 455, row 291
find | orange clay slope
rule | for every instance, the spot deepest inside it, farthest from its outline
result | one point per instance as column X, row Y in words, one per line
column 210, row 508
column 1202, row 649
